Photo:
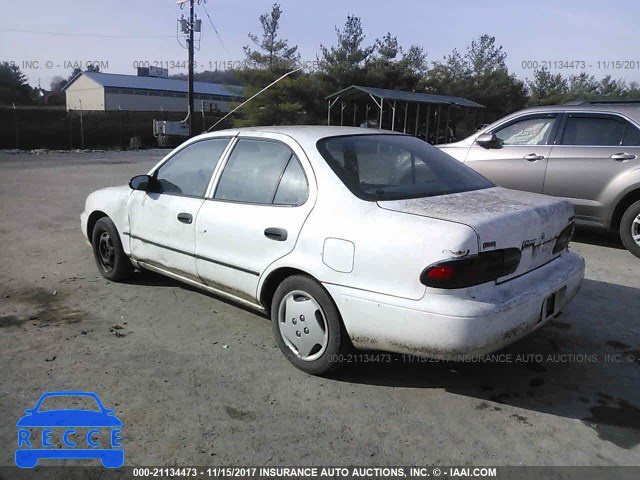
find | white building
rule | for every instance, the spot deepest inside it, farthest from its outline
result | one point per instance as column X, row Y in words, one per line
column 108, row 91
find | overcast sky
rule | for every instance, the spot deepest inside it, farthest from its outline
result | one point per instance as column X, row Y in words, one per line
column 118, row 33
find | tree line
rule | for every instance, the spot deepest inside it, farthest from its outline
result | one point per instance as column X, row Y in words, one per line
column 479, row 73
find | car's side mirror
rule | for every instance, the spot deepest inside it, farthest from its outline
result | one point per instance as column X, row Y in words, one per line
column 29, row 410
column 140, row 182
column 488, row 140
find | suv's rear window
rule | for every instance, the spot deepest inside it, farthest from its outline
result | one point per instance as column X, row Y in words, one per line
column 391, row 167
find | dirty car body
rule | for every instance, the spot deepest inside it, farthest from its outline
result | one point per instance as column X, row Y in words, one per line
column 347, row 237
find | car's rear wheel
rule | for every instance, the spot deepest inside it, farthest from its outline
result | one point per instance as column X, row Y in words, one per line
column 110, row 258
column 630, row 229
column 307, row 325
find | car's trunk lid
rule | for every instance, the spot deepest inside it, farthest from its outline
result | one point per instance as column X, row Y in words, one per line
column 502, row 218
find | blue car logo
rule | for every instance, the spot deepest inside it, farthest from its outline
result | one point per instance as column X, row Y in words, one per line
column 31, row 448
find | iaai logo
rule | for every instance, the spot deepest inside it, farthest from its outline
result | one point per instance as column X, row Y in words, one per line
column 85, row 433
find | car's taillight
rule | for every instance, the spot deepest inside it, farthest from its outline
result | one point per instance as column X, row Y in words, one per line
column 471, row 270
column 562, row 242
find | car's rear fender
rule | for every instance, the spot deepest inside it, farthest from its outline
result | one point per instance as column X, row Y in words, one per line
column 370, row 248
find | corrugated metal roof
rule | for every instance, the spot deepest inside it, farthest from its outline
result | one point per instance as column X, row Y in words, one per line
column 164, row 84
column 355, row 91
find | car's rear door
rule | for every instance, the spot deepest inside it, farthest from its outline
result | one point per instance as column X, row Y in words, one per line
column 162, row 221
column 519, row 160
column 254, row 213
column 592, row 150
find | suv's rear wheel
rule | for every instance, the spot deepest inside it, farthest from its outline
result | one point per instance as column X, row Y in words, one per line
column 630, row 229
column 307, row 325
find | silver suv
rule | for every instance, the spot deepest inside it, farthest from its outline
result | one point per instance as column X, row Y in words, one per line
column 586, row 152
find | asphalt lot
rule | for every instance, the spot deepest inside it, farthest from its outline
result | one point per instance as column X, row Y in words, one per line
column 199, row 381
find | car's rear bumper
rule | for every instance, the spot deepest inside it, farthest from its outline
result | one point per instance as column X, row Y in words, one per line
column 446, row 324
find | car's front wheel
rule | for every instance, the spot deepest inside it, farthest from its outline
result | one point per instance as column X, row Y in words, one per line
column 630, row 229
column 307, row 325
column 110, row 258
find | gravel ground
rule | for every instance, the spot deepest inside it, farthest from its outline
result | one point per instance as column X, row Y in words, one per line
column 198, row 381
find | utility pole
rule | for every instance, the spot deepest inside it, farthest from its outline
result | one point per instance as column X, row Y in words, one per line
column 204, row 124
column 188, row 27
column 81, row 125
column 190, row 41
column 15, row 116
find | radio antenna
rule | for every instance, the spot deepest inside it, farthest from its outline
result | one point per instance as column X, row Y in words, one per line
column 247, row 101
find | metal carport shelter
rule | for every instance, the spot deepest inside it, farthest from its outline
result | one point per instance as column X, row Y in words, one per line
column 356, row 95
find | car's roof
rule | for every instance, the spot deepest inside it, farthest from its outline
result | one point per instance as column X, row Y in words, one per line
column 301, row 132
column 630, row 109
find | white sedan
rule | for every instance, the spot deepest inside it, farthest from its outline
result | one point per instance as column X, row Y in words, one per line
column 347, row 237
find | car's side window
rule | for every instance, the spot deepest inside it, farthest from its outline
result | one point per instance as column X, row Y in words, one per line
column 631, row 135
column 293, row 188
column 528, row 131
column 593, row 130
column 188, row 172
column 262, row 172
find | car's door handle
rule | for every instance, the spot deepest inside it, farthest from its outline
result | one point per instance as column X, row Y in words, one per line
column 185, row 217
column 532, row 157
column 622, row 156
column 279, row 234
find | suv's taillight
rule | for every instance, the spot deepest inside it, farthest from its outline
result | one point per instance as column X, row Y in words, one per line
column 562, row 242
column 471, row 270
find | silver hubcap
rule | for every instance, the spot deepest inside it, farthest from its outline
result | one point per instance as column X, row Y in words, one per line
column 303, row 325
column 635, row 230
column 106, row 252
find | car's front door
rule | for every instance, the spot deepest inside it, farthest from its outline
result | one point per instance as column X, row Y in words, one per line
column 254, row 215
column 518, row 160
column 593, row 149
column 162, row 220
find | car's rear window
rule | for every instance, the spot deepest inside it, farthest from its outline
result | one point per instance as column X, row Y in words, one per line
column 390, row 167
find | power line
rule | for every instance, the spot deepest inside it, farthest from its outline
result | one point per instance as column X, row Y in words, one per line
column 215, row 30
column 67, row 34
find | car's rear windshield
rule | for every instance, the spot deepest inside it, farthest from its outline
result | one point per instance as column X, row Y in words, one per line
column 379, row 167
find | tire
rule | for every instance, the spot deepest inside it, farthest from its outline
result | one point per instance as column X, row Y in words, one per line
column 630, row 229
column 311, row 334
column 110, row 258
